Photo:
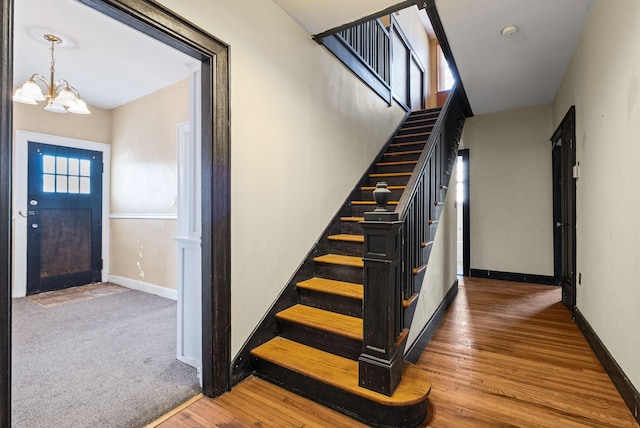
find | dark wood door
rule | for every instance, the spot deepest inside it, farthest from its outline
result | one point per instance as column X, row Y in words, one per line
column 564, row 205
column 64, row 236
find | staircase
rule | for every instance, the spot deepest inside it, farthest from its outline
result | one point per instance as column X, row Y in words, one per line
column 320, row 336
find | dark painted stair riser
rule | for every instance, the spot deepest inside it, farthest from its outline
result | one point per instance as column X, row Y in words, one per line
column 345, row 248
column 329, row 342
column 339, row 273
column 406, row 146
column 351, row 228
column 393, row 166
column 391, row 180
column 330, row 302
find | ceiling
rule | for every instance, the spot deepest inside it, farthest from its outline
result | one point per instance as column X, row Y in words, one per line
column 317, row 16
column 112, row 64
column 498, row 72
column 109, row 63
column 525, row 69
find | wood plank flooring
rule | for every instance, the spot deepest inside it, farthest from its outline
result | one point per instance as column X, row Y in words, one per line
column 257, row 403
column 506, row 355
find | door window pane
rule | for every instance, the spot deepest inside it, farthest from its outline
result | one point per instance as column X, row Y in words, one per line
column 49, row 183
column 66, row 175
column 85, row 185
column 74, row 184
column 74, row 166
column 61, row 184
column 48, row 164
column 85, row 168
column 61, row 165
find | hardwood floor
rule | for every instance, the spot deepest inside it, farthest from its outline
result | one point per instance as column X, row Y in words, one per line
column 507, row 354
column 257, row 403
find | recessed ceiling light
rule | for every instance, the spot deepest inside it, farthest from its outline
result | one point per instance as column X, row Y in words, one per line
column 509, row 30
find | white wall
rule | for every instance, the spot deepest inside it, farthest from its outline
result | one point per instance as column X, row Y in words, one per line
column 511, row 200
column 441, row 269
column 603, row 82
column 415, row 32
column 303, row 131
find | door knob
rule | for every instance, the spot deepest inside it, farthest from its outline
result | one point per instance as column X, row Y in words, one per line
column 33, row 202
column 34, row 226
column 558, row 224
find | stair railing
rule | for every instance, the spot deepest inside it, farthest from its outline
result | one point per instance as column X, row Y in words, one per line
column 396, row 251
column 371, row 42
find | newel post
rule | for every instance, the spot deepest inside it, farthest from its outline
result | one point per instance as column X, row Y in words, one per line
column 380, row 363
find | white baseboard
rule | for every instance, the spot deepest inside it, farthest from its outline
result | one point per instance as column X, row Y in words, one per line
column 143, row 286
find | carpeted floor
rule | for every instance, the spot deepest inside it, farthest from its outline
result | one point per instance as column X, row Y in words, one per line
column 104, row 362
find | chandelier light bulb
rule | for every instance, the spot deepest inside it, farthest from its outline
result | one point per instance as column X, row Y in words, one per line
column 55, row 108
column 60, row 96
column 79, row 107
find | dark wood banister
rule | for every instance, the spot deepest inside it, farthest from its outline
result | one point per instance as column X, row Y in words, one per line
column 418, row 171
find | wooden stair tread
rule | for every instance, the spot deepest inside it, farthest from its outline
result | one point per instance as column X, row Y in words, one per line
column 365, row 188
column 391, row 174
column 347, row 238
column 330, row 286
column 372, row 203
column 411, row 162
column 331, row 322
column 339, row 259
column 409, row 143
column 409, row 152
column 352, row 219
column 417, row 134
column 341, row 372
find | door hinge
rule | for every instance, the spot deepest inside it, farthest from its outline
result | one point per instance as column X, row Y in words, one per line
column 101, row 264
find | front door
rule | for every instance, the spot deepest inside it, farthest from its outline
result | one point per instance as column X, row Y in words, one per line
column 64, row 225
column 564, row 202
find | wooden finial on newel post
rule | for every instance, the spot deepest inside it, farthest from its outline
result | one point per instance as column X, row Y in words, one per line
column 381, row 195
column 380, row 362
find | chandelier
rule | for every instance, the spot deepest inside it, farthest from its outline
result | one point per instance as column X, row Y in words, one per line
column 60, row 96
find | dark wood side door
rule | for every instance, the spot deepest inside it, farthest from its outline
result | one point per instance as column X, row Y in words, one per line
column 64, row 237
column 564, row 207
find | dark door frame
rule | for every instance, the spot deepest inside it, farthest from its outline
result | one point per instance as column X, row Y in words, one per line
column 567, row 200
column 466, row 219
column 160, row 23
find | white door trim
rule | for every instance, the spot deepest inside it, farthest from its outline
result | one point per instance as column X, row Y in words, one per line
column 20, row 184
column 189, row 229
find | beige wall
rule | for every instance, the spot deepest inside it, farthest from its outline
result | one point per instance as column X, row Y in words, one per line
column 303, row 131
column 144, row 250
column 441, row 269
column 93, row 127
column 144, row 182
column 511, row 204
column 603, row 82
